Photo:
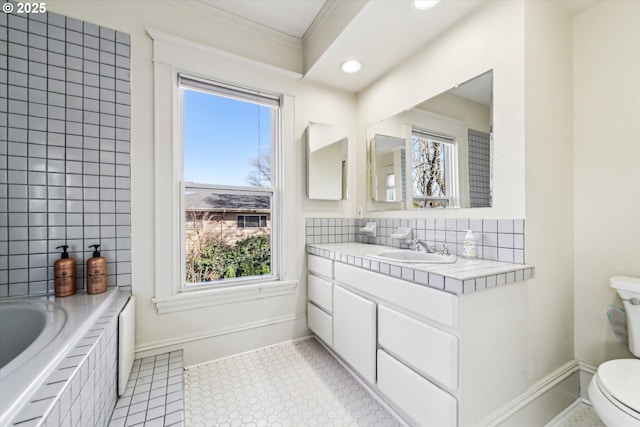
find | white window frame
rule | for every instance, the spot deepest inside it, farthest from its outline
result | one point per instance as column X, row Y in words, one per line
column 450, row 152
column 173, row 56
column 216, row 88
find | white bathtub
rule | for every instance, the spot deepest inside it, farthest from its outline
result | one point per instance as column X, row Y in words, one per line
column 36, row 333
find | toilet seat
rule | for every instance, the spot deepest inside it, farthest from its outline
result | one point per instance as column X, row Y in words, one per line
column 619, row 381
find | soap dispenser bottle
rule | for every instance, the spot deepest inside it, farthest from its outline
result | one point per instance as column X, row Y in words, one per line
column 64, row 273
column 96, row 272
column 469, row 246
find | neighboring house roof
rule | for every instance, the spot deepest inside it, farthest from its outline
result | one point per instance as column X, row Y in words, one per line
column 214, row 202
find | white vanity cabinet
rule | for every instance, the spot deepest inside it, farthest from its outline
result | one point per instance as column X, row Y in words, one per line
column 427, row 352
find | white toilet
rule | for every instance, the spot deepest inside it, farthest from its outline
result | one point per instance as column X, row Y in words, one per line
column 615, row 388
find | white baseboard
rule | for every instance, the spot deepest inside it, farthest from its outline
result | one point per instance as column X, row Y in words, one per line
column 586, row 373
column 217, row 343
column 542, row 401
column 562, row 389
column 196, row 365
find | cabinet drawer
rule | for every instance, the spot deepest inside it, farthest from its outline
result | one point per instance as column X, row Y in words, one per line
column 320, row 292
column 428, row 350
column 319, row 265
column 320, row 323
column 419, row 400
column 439, row 306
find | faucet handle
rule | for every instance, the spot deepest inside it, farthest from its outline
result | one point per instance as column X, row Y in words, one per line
column 413, row 245
column 444, row 250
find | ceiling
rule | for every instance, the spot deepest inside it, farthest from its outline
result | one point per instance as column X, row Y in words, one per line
column 381, row 34
column 292, row 17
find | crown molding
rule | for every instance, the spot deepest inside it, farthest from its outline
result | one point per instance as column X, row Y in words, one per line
column 318, row 20
column 213, row 12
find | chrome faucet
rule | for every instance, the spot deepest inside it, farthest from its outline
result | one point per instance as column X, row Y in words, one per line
column 444, row 250
column 416, row 243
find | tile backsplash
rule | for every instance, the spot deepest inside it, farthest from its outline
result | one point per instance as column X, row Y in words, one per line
column 498, row 239
column 65, row 152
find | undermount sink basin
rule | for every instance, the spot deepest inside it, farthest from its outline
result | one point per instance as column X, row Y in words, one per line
column 413, row 257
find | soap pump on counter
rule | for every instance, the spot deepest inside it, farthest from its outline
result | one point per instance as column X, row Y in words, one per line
column 96, row 272
column 64, row 272
column 469, row 246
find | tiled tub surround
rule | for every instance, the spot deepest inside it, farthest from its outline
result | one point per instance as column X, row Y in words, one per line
column 80, row 387
column 498, row 239
column 462, row 277
column 65, row 151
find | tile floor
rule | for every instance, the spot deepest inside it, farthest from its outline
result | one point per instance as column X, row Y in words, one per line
column 154, row 394
column 582, row 415
column 293, row 384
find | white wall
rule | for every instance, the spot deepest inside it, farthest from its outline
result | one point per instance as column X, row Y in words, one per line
column 321, row 104
column 549, row 186
column 223, row 329
column 607, row 172
column 491, row 37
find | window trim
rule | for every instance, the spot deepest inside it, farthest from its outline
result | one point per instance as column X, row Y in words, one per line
column 171, row 56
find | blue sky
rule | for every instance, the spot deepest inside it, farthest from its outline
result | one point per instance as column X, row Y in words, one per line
column 221, row 137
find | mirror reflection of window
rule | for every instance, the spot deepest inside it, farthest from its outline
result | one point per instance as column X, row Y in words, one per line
column 391, row 187
column 431, row 160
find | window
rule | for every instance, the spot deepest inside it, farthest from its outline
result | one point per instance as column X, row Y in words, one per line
column 229, row 134
column 431, row 164
column 252, row 221
column 391, row 187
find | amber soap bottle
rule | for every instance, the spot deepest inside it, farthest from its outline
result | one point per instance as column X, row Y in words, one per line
column 64, row 272
column 96, row 272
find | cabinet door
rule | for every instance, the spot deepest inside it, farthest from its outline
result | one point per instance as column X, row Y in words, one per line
column 354, row 331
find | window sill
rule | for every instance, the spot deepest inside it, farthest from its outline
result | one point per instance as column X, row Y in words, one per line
column 211, row 297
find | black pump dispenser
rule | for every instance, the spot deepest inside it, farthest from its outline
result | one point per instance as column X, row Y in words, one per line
column 96, row 250
column 65, row 254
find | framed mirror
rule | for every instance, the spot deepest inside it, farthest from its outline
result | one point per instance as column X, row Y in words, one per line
column 327, row 154
column 442, row 152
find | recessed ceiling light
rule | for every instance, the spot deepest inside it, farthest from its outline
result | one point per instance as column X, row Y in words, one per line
column 424, row 4
column 351, row 66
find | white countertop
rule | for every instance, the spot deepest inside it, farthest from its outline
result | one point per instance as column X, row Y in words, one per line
column 463, row 276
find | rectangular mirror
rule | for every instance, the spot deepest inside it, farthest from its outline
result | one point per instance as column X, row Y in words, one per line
column 327, row 148
column 443, row 152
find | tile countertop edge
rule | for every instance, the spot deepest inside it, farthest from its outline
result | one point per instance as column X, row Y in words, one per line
column 471, row 276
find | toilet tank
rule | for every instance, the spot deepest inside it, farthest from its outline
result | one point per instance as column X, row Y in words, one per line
column 629, row 290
